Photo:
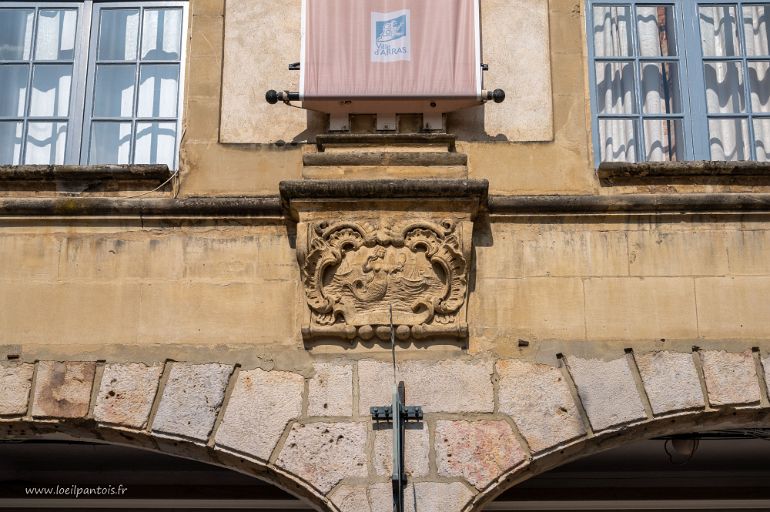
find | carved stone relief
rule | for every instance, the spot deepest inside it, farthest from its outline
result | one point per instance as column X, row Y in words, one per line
column 355, row 272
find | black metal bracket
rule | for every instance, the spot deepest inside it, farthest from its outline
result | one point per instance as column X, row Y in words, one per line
column 399, row 414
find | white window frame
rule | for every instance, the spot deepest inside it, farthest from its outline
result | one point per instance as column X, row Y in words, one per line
column 692, row 87
column 83, row 73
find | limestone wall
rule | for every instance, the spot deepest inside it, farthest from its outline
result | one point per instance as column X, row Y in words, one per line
column 568, row 284
column 236, row 144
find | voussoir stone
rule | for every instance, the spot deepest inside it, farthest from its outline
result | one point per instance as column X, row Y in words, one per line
column 63, row 389
column 766, row 367
column 261, row 405
column 126, row 394
column 438, row 386
column 422, row 497
column 351, row 498
column 671, row 381
column 478, row 451
column 607, row 390
column 731, row 377
column 416, row 458
column 540, row 403
column 325, row 453
column 191, row 399
column 15, row 383
column 330, row 391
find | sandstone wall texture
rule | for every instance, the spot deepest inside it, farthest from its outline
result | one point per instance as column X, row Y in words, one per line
column 274, row 425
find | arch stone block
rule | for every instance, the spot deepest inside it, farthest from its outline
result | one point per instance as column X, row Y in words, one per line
column 260, row 407
column 63, row 389
column 323, row 454
column 476, row 450
column 191, row 399
column 15, row 383
column 607, row 390
column 126, row 394
column 671, row 381
column 731, row 377
column 539, row 401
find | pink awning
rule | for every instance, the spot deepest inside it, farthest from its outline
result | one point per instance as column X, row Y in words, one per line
column 388, row 49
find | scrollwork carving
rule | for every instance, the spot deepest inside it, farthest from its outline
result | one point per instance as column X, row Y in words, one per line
column 353, row 272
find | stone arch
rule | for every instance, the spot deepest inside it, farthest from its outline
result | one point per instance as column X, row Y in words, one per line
column 175, row 409
column 489, row 423
column 590, row 405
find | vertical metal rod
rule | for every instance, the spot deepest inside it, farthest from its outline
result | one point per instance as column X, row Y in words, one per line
column 398, row 478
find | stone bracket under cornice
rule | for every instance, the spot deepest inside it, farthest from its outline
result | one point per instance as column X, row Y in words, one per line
column 366, row 248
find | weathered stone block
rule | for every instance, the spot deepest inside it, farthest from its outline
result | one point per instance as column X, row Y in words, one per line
column 478, row 451
column 731, row 378
column 191, row 399
column 422, row 497
column 351, row 499
column 438, row 386
column 325, row 453
column 15, row 383
column 261, row 405
column 733, row 307
column 538, row 307
column 657, row 252
column 415, row 458
column 331, row 390
column 640, row 308
column 607, row 390
column 126, row 394
column 63, row 389
column 671, row 381
column 539, row 402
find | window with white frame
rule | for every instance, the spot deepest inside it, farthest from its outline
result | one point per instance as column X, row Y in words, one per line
column 91, row 82
column 680, row 80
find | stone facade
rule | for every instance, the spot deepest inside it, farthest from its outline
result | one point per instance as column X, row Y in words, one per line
column 542, row 311
column 343, row 463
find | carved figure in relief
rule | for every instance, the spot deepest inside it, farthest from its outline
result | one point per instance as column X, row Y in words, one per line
column 355, row 271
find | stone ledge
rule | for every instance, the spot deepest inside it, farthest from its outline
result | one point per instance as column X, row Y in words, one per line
column 697, row 171
column 376, row 138
column 386, row 158
column 131, row 172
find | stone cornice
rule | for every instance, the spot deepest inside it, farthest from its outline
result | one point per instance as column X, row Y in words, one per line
column 272, row 206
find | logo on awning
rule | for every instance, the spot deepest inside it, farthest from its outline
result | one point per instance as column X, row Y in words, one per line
column 390, row 36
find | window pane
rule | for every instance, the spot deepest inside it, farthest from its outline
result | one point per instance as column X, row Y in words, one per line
column 615, row 88
column 110, row 143
column 759, row 84
column 718, row 30
column 51, row 90
column 729, row 139
column 118, row 34
column 158, row 88
column 663, row 140
column 155, row 143
column 612, row 31
column 656, row 30
column 56, row 34
column 755, row 29
column 114, row 90
column 15, row 33
column 10, row 142
column 724, row 87
column 162, row 34
column 13, row 90
column 762, row 138
column 45, row 143
column 618, row 140
column 660, row 88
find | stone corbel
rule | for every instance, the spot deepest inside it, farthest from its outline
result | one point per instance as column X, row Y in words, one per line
column 366, row 246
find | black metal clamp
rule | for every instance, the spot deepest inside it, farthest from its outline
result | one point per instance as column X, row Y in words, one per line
column 398, row 414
